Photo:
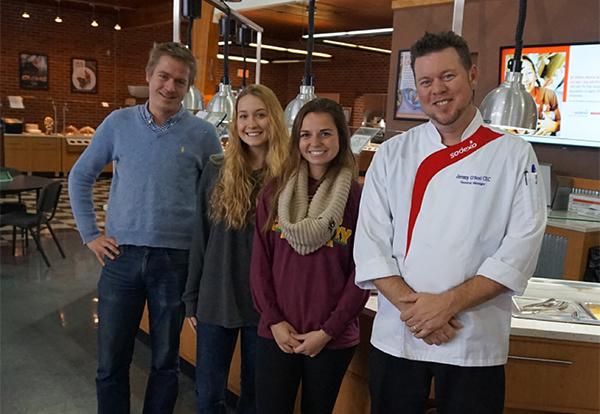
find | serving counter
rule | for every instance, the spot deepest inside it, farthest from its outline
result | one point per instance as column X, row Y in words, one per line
column 553, row 367
column 55, row 153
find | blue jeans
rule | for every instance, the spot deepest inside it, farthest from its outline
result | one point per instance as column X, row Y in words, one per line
column 137, row 275
column 214, row 350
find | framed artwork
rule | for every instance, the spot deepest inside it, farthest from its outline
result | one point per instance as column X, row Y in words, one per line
column 84, row 75
column 33, row 71
column 407, row 102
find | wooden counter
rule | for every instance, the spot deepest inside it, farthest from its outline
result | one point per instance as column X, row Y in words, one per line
column 33, row 153
column 553, row 367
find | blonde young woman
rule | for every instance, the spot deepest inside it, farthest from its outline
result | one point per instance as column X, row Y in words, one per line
column 217, row 295
column 302, row 275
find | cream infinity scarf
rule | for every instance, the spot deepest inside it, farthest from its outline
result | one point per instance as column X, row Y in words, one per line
column 308, row 226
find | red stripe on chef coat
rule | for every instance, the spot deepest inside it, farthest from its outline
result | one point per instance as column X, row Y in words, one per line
column 436, row 162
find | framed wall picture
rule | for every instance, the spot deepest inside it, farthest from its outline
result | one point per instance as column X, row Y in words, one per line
column 407, row 102
column 84, row 75
column 33, row 71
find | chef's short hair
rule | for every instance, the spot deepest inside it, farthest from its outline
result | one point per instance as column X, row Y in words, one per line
column 176, row 51
column 435, row 42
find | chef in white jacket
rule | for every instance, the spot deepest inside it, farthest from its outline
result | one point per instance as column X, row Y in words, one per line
column 450, row 226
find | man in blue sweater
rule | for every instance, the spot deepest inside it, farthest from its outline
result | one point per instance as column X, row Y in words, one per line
column 159, row 150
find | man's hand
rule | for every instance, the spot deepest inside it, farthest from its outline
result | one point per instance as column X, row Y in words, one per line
column 104, row 246
column 193, row 322
column 312, row 342
column 429, row 312
column 283, row 333
column 445, row 334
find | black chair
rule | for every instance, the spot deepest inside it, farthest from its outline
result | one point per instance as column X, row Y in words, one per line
column 33, row 222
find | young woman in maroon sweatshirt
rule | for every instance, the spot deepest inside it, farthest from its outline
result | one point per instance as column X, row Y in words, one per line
column 302, row 269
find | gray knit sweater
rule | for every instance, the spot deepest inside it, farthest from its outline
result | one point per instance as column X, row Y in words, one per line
column 217, row 289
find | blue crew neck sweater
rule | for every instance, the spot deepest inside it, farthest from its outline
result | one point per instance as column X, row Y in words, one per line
column 153, row 192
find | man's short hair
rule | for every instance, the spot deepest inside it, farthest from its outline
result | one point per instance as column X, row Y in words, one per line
column 435, row 42
column 176, row 51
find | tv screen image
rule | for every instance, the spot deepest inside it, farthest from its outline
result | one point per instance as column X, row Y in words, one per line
column 564, row 80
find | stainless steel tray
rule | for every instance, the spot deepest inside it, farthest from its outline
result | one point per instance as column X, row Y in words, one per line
column 552, row 309
column 592, row 308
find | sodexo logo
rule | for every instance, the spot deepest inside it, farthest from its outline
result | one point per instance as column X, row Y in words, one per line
column 472, row 145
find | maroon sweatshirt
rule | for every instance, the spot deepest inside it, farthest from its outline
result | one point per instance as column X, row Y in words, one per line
column 311, row 292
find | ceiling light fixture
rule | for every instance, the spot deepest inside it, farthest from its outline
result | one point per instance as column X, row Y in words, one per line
column 223, row 101
column 241, row 59
column 510, row 106
column 350, row 33
column 375, row 49
column 58, row 19
column 117, row 26
column 307, row 88
column 94, row 23
column 285, row 49
column 285, row 61
column 355, row 46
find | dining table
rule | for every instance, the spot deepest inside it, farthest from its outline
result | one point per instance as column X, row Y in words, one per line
column 20, row 183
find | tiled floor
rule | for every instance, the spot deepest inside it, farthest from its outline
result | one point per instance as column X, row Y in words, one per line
column 48, row 331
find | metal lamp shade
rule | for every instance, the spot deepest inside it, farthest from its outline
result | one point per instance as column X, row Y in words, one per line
column 307, row 94
column 193, row 100
column 223, row 101
column 509, row 106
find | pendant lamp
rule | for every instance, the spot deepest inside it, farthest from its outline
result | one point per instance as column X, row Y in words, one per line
column 510, row 106
column 224, row 101
column 193, row 100
column 307, row 89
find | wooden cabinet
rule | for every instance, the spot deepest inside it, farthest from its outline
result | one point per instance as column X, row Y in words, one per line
column 553, row 376
column 44, row 153
column 33, row 153
column 16, row 152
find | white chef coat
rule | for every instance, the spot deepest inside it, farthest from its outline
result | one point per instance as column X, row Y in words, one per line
column 477, row 208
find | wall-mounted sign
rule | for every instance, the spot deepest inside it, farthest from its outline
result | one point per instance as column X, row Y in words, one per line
column 33, row 71
column 84, row 76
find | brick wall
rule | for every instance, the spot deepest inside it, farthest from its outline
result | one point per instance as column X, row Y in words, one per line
column 121, row 57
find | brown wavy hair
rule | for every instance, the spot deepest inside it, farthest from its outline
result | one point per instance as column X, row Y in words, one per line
column 234, row 196
column 343, row 159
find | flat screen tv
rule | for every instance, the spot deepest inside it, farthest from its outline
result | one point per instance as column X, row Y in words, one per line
column 564, row 80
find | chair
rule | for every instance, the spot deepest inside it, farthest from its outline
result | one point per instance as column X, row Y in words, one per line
column 33, row 222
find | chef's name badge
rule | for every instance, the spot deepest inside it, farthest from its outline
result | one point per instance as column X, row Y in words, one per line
column 480, row 180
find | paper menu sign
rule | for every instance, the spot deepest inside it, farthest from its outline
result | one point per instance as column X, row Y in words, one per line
column 16, row 102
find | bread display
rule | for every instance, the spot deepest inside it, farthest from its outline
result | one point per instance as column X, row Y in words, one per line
column 87, row 130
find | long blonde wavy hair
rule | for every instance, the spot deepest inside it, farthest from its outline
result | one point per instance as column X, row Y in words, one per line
column 234, row 196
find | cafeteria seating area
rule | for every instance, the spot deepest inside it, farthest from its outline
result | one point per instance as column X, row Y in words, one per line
column 48, row 323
